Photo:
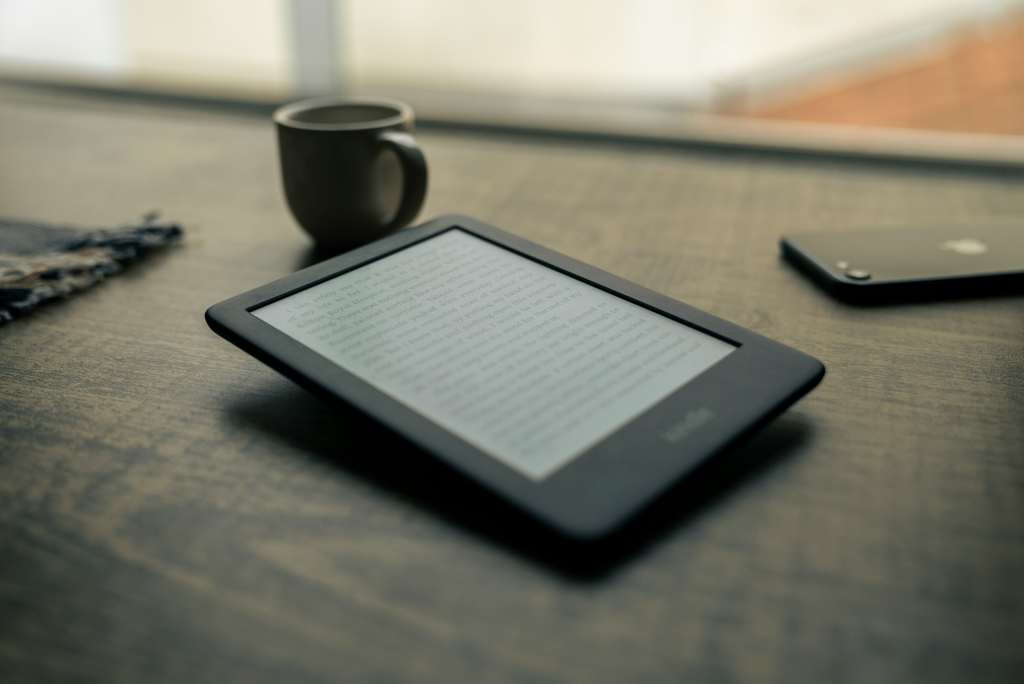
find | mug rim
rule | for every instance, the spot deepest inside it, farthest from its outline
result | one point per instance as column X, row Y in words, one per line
column 284, row 115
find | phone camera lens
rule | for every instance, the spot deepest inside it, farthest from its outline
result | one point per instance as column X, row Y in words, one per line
column 858, row 274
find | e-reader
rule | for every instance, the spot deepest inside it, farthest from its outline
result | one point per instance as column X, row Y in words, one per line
column 572, row 393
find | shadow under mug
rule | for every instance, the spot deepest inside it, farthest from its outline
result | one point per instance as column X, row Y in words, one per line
column 351, row 170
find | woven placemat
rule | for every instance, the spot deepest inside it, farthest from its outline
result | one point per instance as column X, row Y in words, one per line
column 40, row 262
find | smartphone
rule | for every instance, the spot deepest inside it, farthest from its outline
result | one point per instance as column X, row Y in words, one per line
column 885, row 265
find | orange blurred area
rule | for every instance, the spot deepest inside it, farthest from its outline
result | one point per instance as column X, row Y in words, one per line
column 973, row 82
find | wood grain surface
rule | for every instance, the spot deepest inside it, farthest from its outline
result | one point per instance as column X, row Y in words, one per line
column 172, row 510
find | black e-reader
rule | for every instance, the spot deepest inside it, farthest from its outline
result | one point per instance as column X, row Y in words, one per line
column 572, row 393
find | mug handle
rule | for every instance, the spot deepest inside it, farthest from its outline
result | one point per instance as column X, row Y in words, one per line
column 414, row 171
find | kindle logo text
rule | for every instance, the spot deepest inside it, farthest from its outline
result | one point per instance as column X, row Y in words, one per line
column 683, row 428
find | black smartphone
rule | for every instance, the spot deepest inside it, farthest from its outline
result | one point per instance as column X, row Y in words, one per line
column 894, row 264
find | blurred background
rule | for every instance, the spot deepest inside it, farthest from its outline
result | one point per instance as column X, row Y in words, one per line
column 946, row 65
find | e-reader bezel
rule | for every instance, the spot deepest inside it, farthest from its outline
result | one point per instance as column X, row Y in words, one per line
column 598, row 490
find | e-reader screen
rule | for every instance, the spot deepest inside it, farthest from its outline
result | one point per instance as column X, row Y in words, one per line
column 528, row 364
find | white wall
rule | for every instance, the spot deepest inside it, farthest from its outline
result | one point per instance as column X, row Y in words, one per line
column 82, row 35
column 236, row 45
column 682, row 50
column 212, row 43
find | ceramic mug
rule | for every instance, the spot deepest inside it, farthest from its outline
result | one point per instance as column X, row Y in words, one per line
column 351, row 170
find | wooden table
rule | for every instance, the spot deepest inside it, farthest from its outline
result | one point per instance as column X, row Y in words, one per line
column 172, row 510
